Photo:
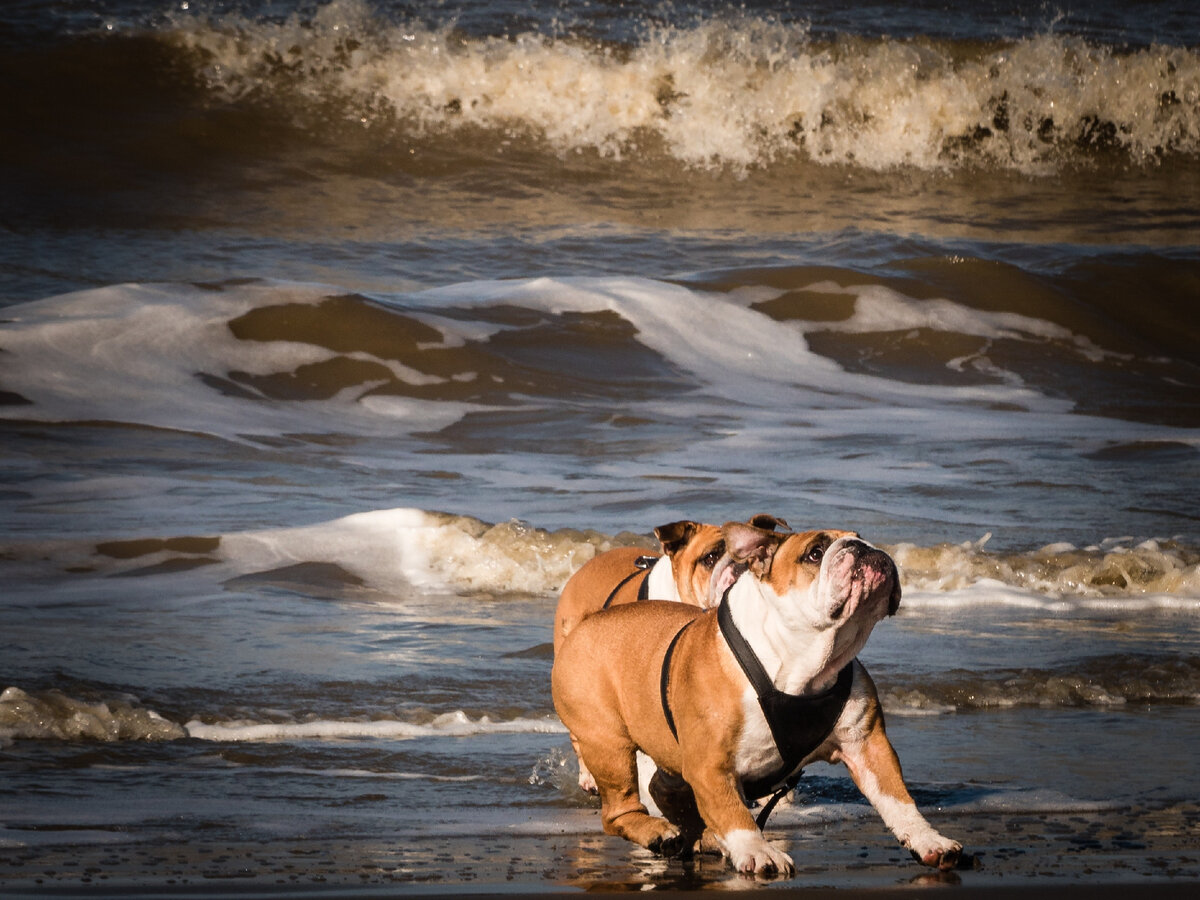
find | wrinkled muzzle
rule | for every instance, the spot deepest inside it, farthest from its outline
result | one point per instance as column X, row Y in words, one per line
column 861, row 580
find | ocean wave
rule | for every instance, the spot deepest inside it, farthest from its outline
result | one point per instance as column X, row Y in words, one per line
column 380, row 555
column 53, row 715
column 284, row 359
column 735, row 91
column 1124, row 568
column 389, row 548
column 1101, row 682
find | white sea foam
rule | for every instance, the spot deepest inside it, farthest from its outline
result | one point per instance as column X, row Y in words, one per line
column 155, row 355
column 721, row 342
column 134, row 353
column 386, row 553
column 737, row 91
column 52, row 715
column 454, row 724
column 1119, row 575
column 398, row 548
column 878, row 308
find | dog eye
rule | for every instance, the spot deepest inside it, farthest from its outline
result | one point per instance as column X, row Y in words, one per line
column 815, row 553
column 709, row 559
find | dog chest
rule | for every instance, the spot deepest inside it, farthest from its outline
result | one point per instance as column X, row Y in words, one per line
column 757, row 754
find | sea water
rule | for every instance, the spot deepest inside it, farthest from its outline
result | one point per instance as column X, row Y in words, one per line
column 335, row 336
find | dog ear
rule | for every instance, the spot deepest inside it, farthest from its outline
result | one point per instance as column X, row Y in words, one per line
column 769, row 522
column 674, row 535
column 754, row 546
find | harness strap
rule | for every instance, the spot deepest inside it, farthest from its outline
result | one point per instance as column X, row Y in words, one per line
column 664, row 680
column 642, row 564
column 769, row 807
column 799, row 723
column 742, row 651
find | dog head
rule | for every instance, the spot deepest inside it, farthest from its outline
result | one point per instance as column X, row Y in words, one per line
column 818, row 580
column 697, row 552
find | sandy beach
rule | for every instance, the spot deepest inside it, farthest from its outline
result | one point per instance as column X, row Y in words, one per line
column 1109, row 854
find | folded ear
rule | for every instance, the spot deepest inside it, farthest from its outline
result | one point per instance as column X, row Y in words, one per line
column 674, row 536
column 752, row 545
column 769, row 522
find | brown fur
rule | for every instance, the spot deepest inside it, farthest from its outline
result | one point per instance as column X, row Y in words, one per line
column 688, row 544
column 616, row 710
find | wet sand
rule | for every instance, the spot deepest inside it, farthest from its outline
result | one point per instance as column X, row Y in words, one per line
column 1115, row 853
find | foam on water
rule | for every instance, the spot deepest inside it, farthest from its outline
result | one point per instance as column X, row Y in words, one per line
column 164, row 356
column 721, row 341
column 1147, row 574
column 734, row 91
column 453, row 724
column 169, row 357
column 136, row 353
column 382, row 554
column 881, row 309
column 52, row 715
column 399, row 548
column 390, row 548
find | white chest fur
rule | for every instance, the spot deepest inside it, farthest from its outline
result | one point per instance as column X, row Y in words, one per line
column 661, row 581
column 756, row 754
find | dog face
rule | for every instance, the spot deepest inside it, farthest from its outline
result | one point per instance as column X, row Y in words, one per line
column 694, row 549
column 819, row 581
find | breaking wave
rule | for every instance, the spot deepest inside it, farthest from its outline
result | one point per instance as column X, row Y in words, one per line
column 735, row 91
column 1102, row 682
column 53, row 715
column 374, row 555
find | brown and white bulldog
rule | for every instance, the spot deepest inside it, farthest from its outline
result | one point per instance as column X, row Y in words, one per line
column 691, row 551
column 730, row 702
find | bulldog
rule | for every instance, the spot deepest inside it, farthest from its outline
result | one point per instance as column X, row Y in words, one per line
column 732, row 702
column 691, row 551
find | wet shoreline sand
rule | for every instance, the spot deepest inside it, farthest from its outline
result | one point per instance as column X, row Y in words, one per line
column 1111, row 853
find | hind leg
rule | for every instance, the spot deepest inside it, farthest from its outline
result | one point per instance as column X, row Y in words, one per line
column 674, row 797
column 587, row 781
column 621, row 810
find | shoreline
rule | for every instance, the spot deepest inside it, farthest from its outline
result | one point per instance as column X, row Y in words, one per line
column 1109, row 854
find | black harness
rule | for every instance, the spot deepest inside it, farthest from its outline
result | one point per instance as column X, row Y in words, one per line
column 799, row 723
column 643, row 565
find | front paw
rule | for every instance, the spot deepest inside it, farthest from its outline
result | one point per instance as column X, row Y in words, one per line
column 936, row 852
column 751, row 854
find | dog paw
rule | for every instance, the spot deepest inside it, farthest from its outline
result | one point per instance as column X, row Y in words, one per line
column 669, row 842
column 937, row 852
column 751, row 854
column 587, row 781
